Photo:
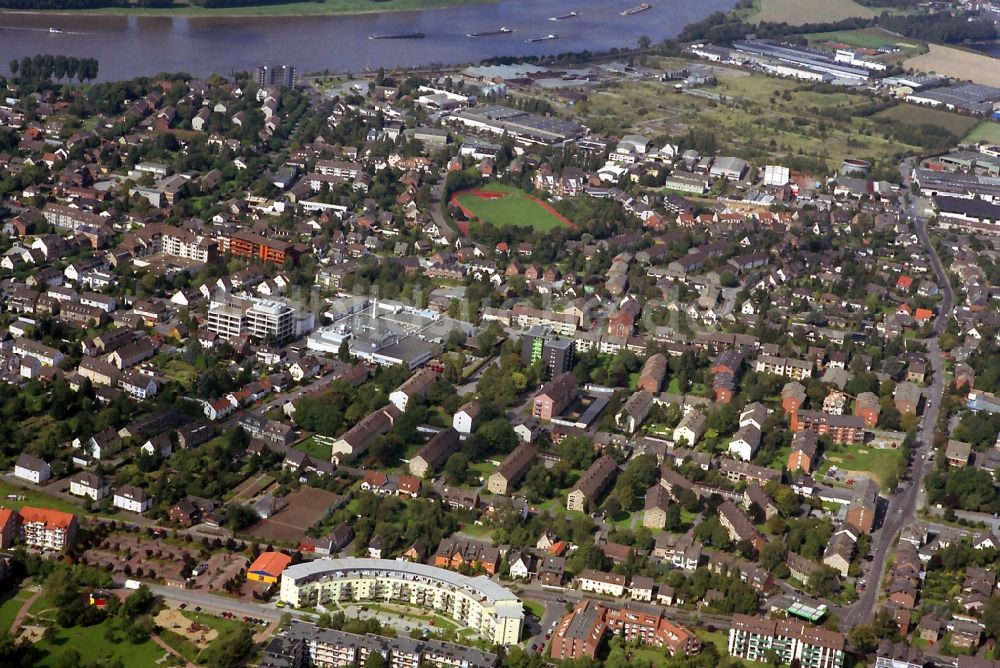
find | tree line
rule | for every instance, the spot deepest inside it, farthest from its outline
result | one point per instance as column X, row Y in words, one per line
column 211, row 4
column 62, row 4
column 940, row 28
column 44, row 67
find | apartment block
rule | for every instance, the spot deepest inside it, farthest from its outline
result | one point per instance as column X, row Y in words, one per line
column 48, row 529
column 305, row 644
column 754, row 638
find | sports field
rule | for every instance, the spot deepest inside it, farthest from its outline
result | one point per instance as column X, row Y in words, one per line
column 800, row 12
column 506, row 206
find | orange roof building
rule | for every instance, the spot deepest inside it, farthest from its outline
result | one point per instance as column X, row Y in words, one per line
column 923, row 314
column 268, row 567
column 48, row 529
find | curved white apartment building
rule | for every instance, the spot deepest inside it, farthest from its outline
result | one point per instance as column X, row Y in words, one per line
column 478, row 602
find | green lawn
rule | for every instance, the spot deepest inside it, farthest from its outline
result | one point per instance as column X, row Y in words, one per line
column 535, row 608
column 32, row 497
column 721, row 641
column 919, row 115
column 177, row 369
column 986, row 131
column 437, row 621
column 482, row 469
column 94, row 649
column 315, row 449
column 318, row 8
column 515, row 207
column 880, row 463
column 10, row 603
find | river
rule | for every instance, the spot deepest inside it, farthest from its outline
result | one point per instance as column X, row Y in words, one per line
column 130, row 46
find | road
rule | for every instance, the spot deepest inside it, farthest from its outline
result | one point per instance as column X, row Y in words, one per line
column 902, row 505
column 213, row 603
column 438, row 217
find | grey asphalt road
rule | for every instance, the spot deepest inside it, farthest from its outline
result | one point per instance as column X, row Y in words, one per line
column 903, row 504
column 217, row 604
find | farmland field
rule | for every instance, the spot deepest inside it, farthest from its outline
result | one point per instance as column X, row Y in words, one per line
column 505, row 206
column 984, row 132
column 957, row 124
column 957, row 63
column 868, row 38
column 800, row 12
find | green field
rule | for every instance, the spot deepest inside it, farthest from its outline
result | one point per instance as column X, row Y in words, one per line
column 535, row 608
column 94, row 648
column 316, row 8
column 800, row 12
column 911, row 113
column 35, row 498
column 758, row 117
column 879, row 463
column 986, row 131
column 866, row 38
column 515, row 207
column 10, row 604
column 313, row 448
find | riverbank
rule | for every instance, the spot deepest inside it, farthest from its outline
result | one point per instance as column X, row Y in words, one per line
column 288, row 9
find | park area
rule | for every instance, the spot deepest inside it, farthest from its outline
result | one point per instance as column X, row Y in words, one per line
column 506, row 206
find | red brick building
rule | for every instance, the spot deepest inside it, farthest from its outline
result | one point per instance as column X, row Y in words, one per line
column 255, row 247
column 554, row 396
column 840, row 428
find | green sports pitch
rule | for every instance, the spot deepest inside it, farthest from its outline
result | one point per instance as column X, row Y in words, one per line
column 506, row 206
